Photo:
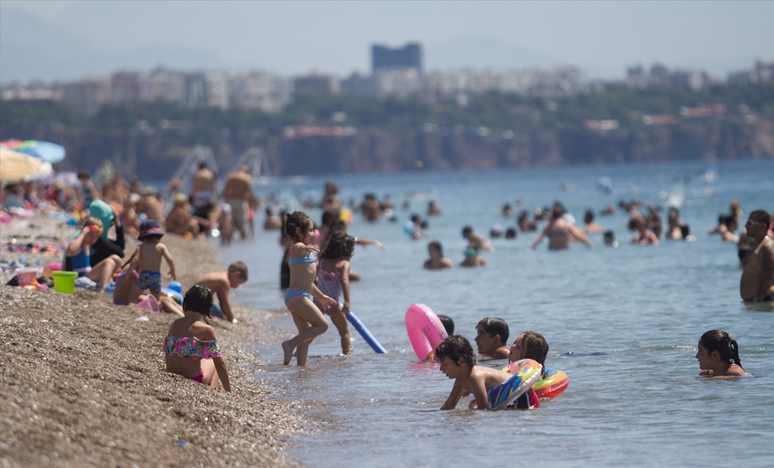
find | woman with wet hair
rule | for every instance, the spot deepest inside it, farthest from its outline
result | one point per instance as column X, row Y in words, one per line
column 718, row 355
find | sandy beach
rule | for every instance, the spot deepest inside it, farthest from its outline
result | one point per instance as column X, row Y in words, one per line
column 84, row 382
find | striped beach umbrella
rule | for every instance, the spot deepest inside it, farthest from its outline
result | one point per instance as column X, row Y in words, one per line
column 44, row 150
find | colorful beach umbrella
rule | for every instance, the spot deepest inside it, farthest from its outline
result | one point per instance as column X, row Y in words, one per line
column 17, row 167
column 43, row 150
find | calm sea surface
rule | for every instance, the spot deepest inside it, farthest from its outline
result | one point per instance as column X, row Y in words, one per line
column 623, row 323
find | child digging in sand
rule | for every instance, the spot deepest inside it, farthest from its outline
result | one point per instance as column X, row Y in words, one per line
column 302, row 290
column 150, row 253
column 220, row 283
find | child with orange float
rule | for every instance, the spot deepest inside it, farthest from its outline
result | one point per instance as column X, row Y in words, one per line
column 302, row 291
column 532, row 345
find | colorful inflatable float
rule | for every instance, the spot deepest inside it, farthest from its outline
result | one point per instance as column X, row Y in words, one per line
column 550, row 386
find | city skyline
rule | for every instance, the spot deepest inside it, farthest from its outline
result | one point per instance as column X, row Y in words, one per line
column 97, row 38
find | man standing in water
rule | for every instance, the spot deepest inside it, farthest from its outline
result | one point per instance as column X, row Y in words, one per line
column 202, row 189
column 238, row 192
column 757, row 283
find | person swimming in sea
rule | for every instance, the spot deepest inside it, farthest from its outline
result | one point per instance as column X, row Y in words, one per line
column 559, row 231
column 437, row 261
column 718, row 355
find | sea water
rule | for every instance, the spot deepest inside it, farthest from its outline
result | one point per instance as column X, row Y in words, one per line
column 623, row 323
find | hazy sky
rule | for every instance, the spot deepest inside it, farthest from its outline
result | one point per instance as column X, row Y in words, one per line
column 298, row 37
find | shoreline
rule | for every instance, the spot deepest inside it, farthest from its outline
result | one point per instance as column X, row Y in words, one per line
column 84, row 382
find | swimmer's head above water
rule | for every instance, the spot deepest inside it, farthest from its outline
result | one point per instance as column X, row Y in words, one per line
column 718, row 354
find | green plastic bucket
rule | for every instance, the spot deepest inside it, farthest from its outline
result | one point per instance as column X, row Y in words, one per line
column 64, row 281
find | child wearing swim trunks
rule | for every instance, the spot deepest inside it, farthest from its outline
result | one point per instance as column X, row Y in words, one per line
column 458, row 362
column 718, row 356
column 302, row 291
column 333, row 281
column 191, row 346
column 150, row 254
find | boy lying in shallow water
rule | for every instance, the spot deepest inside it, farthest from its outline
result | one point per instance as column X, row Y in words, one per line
column 459, row 362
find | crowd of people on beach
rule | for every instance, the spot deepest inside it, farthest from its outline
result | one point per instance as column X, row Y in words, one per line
column 316, row 272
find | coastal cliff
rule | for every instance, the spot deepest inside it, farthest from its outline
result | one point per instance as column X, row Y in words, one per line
column 494, row 131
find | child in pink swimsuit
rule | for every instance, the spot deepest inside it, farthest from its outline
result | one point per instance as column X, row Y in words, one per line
column 333, row 281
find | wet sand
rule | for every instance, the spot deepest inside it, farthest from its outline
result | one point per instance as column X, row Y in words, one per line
column 83, row 382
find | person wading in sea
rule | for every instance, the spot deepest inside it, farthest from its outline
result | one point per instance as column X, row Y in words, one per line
column 758, row 275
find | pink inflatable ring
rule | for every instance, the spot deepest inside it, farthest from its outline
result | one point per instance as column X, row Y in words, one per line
column 424, row 329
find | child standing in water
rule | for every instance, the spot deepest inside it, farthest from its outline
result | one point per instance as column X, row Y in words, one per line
column 302, row 290
column 333, row 280
column 150, row 253
column 718, row 355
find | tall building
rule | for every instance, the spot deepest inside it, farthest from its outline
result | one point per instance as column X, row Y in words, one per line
column 386, row 58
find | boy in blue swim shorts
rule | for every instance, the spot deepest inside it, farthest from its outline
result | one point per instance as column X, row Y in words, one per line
column 150, row 254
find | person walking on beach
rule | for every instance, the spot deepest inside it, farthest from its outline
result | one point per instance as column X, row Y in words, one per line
column 302, row 291
column 202, row 191
column 238, row 192
column 757, row 283
column 191, row 346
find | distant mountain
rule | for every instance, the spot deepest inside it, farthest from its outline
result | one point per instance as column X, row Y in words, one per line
column 483, row 52
column 32, row 48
